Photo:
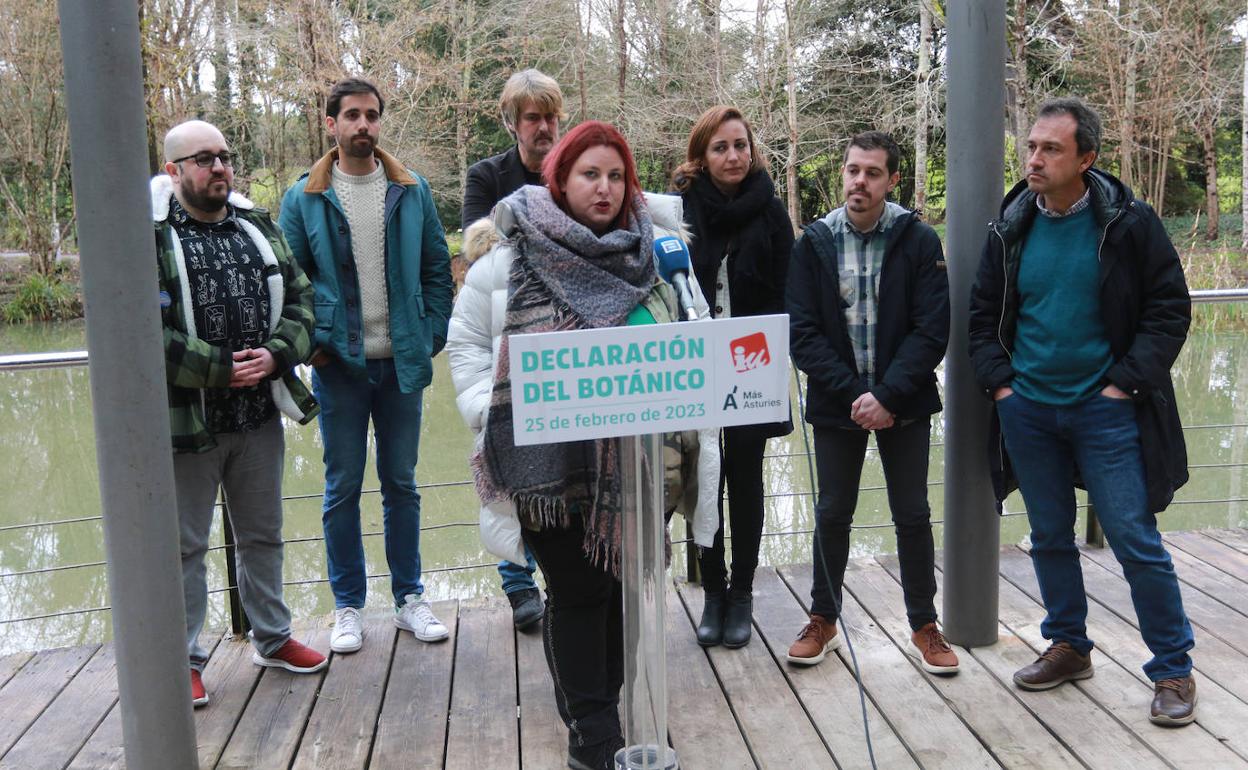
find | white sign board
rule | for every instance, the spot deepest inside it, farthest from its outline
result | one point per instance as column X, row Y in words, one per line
column 634, row 380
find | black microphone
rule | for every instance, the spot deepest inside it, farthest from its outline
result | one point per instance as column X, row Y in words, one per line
column 671, row 256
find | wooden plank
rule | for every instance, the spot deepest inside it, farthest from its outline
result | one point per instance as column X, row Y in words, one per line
column 483, row 730
column 11, row 664
column 543, row 736
column 1209, row 579
column 271, row 726
column 1072, row 715
column 1203, row 611
column 66, row 724
column 411, row 730
column 775, row 726
column 703, row 730
column 1234, row 538
column 230, row 678
column 38, row 683
column 339, row 733
column 1220, row 712
column 828, row 691
column 1213, row 552
column 103, row 750
column 1003, row 725
column 1212, row 657
column 933, row 733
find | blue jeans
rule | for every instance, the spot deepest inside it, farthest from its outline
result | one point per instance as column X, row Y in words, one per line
column 347, row 403
column 516, row 577
column 1100, row 436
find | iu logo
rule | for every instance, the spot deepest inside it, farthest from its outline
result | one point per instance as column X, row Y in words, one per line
column 750, row 352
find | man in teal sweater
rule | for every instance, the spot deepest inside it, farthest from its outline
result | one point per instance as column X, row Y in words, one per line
column 1078, row 312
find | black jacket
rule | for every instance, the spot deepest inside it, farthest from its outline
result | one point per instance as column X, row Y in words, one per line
column 1144, row 305
column 489, row 181
column 911, row 335
column 753, row 232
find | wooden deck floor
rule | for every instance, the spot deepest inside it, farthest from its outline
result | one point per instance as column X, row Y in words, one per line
column 483, row 699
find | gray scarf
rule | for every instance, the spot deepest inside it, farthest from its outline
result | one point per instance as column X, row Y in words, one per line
column 563, row 277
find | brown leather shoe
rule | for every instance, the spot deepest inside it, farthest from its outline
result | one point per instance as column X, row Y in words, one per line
column 1060, row 663
column 1174, row 702
column 816, row 640
column 935, row 653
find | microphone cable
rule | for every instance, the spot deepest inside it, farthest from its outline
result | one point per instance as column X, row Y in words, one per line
column 862, row 693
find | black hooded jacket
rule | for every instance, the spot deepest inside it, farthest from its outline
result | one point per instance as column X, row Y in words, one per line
column 912, row 328
column 1144, row 305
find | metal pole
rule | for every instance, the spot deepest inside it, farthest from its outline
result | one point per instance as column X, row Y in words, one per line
column 644, row 576
column 104, row 95
column 239, row 623
column 976, row 153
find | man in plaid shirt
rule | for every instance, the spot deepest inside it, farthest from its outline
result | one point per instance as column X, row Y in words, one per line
column 868, row 304
column 237, row 317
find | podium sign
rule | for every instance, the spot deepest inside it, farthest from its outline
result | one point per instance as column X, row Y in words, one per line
column 657, row 378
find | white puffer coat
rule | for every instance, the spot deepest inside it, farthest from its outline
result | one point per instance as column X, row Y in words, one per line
column 473, row 341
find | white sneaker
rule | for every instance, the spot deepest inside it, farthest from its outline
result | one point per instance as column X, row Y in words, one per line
column 348, row 635
column 417, row 616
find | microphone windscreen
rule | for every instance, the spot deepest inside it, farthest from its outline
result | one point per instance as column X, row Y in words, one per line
column 670, row 255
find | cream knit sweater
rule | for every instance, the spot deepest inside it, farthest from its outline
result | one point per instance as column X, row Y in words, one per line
column 363, row 199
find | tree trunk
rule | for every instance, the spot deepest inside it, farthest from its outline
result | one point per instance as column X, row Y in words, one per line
column 1020, row 110
column 1243, row 145
column 790, row 163
column 1207, row 131
column 582, row 32
column 1126, row 148
column 621, row 64
column 922, row 99
column 465, row 48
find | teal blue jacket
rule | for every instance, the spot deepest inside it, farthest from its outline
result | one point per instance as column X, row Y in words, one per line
column 418, row 274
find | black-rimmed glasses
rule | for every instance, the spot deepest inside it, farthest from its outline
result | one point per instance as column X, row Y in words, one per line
column 205, row 159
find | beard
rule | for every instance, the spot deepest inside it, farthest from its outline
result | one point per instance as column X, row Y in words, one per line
column 360, row 146
column 206, row 200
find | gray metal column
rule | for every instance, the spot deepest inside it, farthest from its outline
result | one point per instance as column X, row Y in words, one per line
column 104, row 96
column 975, row 131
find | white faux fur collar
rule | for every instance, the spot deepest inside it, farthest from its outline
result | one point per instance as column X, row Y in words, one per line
column 162, row 190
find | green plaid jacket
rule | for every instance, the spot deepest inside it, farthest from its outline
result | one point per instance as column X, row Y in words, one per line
column 192, row 364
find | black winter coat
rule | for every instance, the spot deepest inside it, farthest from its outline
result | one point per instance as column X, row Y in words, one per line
column 489, row 181
column 910, row 338
column 1144, row 305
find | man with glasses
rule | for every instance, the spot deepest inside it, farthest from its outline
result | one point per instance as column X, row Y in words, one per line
column 364, row 228
column 237, row 316
column 531, row 106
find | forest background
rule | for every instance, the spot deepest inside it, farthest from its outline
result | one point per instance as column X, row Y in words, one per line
column 1167, row 75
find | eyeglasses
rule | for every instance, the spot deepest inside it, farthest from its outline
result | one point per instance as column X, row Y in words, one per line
column 206, row 159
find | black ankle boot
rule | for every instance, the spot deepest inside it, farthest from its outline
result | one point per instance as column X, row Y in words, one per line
column 711, row 629
column 737, row 618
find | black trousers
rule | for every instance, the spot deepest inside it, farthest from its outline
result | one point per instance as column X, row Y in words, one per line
column 741, row 470
column 582, row 633
column 839, row 455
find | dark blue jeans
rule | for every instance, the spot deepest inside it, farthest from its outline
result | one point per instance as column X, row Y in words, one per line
column 518, row 577
column 1099, row 436
column 347, row 403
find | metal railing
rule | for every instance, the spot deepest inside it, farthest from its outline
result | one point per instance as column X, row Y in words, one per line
column 238, row 619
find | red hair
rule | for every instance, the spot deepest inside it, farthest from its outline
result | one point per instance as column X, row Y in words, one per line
column 592, row 133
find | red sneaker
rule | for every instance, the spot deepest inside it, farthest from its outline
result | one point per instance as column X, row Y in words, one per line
column 292, row 656
column 199, row 696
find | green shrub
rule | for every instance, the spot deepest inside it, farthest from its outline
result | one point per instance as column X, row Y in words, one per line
column 43, row 298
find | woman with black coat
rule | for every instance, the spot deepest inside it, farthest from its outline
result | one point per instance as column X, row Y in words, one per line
column 741, row 239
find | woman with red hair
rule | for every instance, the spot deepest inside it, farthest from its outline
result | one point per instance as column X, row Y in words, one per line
column 574, row 253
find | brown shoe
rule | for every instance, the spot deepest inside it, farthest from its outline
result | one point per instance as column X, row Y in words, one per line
column 937, row 656
column 1059, row 663
column 1174, row 702
column 816, row 640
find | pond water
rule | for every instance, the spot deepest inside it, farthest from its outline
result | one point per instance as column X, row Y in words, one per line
column 48, row 473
